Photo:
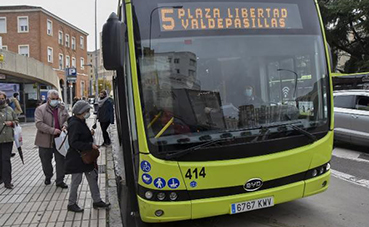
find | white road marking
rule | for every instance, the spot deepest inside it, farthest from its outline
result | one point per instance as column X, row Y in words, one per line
column 350, row 178
column 350, row 155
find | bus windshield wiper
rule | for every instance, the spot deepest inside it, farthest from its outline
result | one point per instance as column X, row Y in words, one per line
column 197, row 147
column 304, row 132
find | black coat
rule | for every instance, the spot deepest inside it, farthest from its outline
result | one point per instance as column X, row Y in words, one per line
column 105, row 113
column 80, row 139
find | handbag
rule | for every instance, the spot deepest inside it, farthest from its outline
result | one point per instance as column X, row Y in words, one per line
column 90, row 156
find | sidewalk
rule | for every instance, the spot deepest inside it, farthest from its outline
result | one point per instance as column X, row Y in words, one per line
column 32, row 203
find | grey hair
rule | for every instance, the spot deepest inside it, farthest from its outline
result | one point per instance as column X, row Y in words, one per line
column 3, row 93
column 52, row 92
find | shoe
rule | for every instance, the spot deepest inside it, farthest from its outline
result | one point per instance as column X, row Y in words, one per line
column 101, row 204
column 62, row 185
column 75, row 208
column 12, row 155
column 9, row 186
column 47, row 181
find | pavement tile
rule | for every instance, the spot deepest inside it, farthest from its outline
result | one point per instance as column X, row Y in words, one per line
column 20, row 218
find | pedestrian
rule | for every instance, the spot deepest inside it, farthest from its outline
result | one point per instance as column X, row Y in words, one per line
column 8, row 120
column 75, row 99
column 105, row 115
column 80, row 139
column 51, row 118
column 17, row 108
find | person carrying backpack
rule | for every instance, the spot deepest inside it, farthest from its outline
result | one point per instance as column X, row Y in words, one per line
column 14, row 104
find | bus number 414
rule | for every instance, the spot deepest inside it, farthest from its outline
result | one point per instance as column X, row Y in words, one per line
column 195, row 173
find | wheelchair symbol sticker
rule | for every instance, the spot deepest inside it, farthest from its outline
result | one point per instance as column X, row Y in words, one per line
column 145, row 166
column 146, row 178
column 173, row 183
column 159, row 183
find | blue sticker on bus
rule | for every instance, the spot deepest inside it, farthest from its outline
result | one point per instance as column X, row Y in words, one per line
column 233, row 208
column 173, row 183
column 145, row 166
column 159, row 183
column 146, row 178
column 193, row 184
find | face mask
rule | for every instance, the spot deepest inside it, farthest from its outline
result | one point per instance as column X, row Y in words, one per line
column 54, row 103
column 87, row 115
column 2, row 102
column 248, row 92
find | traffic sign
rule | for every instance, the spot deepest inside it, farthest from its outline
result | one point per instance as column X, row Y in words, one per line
column 71, row 74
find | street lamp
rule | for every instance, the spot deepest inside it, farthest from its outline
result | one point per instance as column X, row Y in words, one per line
column 96, row 72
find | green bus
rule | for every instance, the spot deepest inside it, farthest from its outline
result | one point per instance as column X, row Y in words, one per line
column 223, row 107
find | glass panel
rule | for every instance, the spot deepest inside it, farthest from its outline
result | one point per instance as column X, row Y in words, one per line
column 2, row 25
column 344, row 101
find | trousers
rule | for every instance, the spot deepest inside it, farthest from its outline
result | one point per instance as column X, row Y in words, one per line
column 92, row 183
column 46, row 156
column 104, row 128
column 5, row 164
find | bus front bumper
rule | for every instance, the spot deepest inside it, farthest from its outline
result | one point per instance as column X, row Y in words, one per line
column 201, row 208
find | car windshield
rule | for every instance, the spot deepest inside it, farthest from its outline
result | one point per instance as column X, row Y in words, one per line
column 205, row 87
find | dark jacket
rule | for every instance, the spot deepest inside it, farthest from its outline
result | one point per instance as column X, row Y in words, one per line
column 80, row 139
column 106, row 112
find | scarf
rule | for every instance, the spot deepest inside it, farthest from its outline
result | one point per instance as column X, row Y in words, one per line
column 102, row 101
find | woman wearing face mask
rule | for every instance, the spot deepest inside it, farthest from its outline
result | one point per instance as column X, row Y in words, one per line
column 80, row 139
column 8, row 119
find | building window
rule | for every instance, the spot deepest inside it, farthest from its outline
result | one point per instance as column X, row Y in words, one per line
column 192, row 62
column 73, row 62
column 82, row 63
column 5, row 47
column 2, row 24
column 49, row 54
column 67, row 40
column 23, row 24
column 67, row 61
column 82, row 88
column 23, row 50
column 61, row 61
column 176, row 61
column 49, row 27
column 178, row 71
column 73, row 43
column 82, row 42
column 60, row 38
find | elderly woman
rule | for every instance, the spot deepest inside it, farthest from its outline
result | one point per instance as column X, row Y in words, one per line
column 8, row 119
column 80, row 139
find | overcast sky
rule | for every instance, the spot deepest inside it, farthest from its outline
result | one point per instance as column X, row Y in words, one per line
column 80, row 13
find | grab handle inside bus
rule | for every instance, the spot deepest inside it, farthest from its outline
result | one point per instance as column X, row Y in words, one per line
column 113, row 41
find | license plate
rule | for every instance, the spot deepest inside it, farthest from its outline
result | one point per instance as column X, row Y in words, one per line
column 252, row 205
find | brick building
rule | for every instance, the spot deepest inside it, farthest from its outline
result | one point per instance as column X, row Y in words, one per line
column 37, row 33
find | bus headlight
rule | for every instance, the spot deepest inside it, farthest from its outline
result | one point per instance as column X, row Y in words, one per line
column 173, row 196
column 148, row 195
column 161, row 196
column 328, row 167
column 314, row 173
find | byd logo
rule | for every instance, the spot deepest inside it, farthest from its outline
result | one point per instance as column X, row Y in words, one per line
column 253, row 184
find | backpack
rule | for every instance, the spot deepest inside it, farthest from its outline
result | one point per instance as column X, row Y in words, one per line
column 12, row 105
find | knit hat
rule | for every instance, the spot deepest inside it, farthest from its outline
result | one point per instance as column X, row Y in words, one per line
column 80, row 107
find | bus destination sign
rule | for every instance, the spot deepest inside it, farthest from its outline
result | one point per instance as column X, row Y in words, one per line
column 228, row 15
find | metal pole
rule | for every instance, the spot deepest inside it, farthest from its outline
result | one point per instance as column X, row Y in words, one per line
column 65, row 88
column 96, row 67
column 71, row 94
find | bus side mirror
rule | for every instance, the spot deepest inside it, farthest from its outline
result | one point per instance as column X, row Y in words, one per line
column 113, row 41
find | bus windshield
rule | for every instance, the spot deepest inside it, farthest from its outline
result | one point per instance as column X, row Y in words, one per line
column 203, row 81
